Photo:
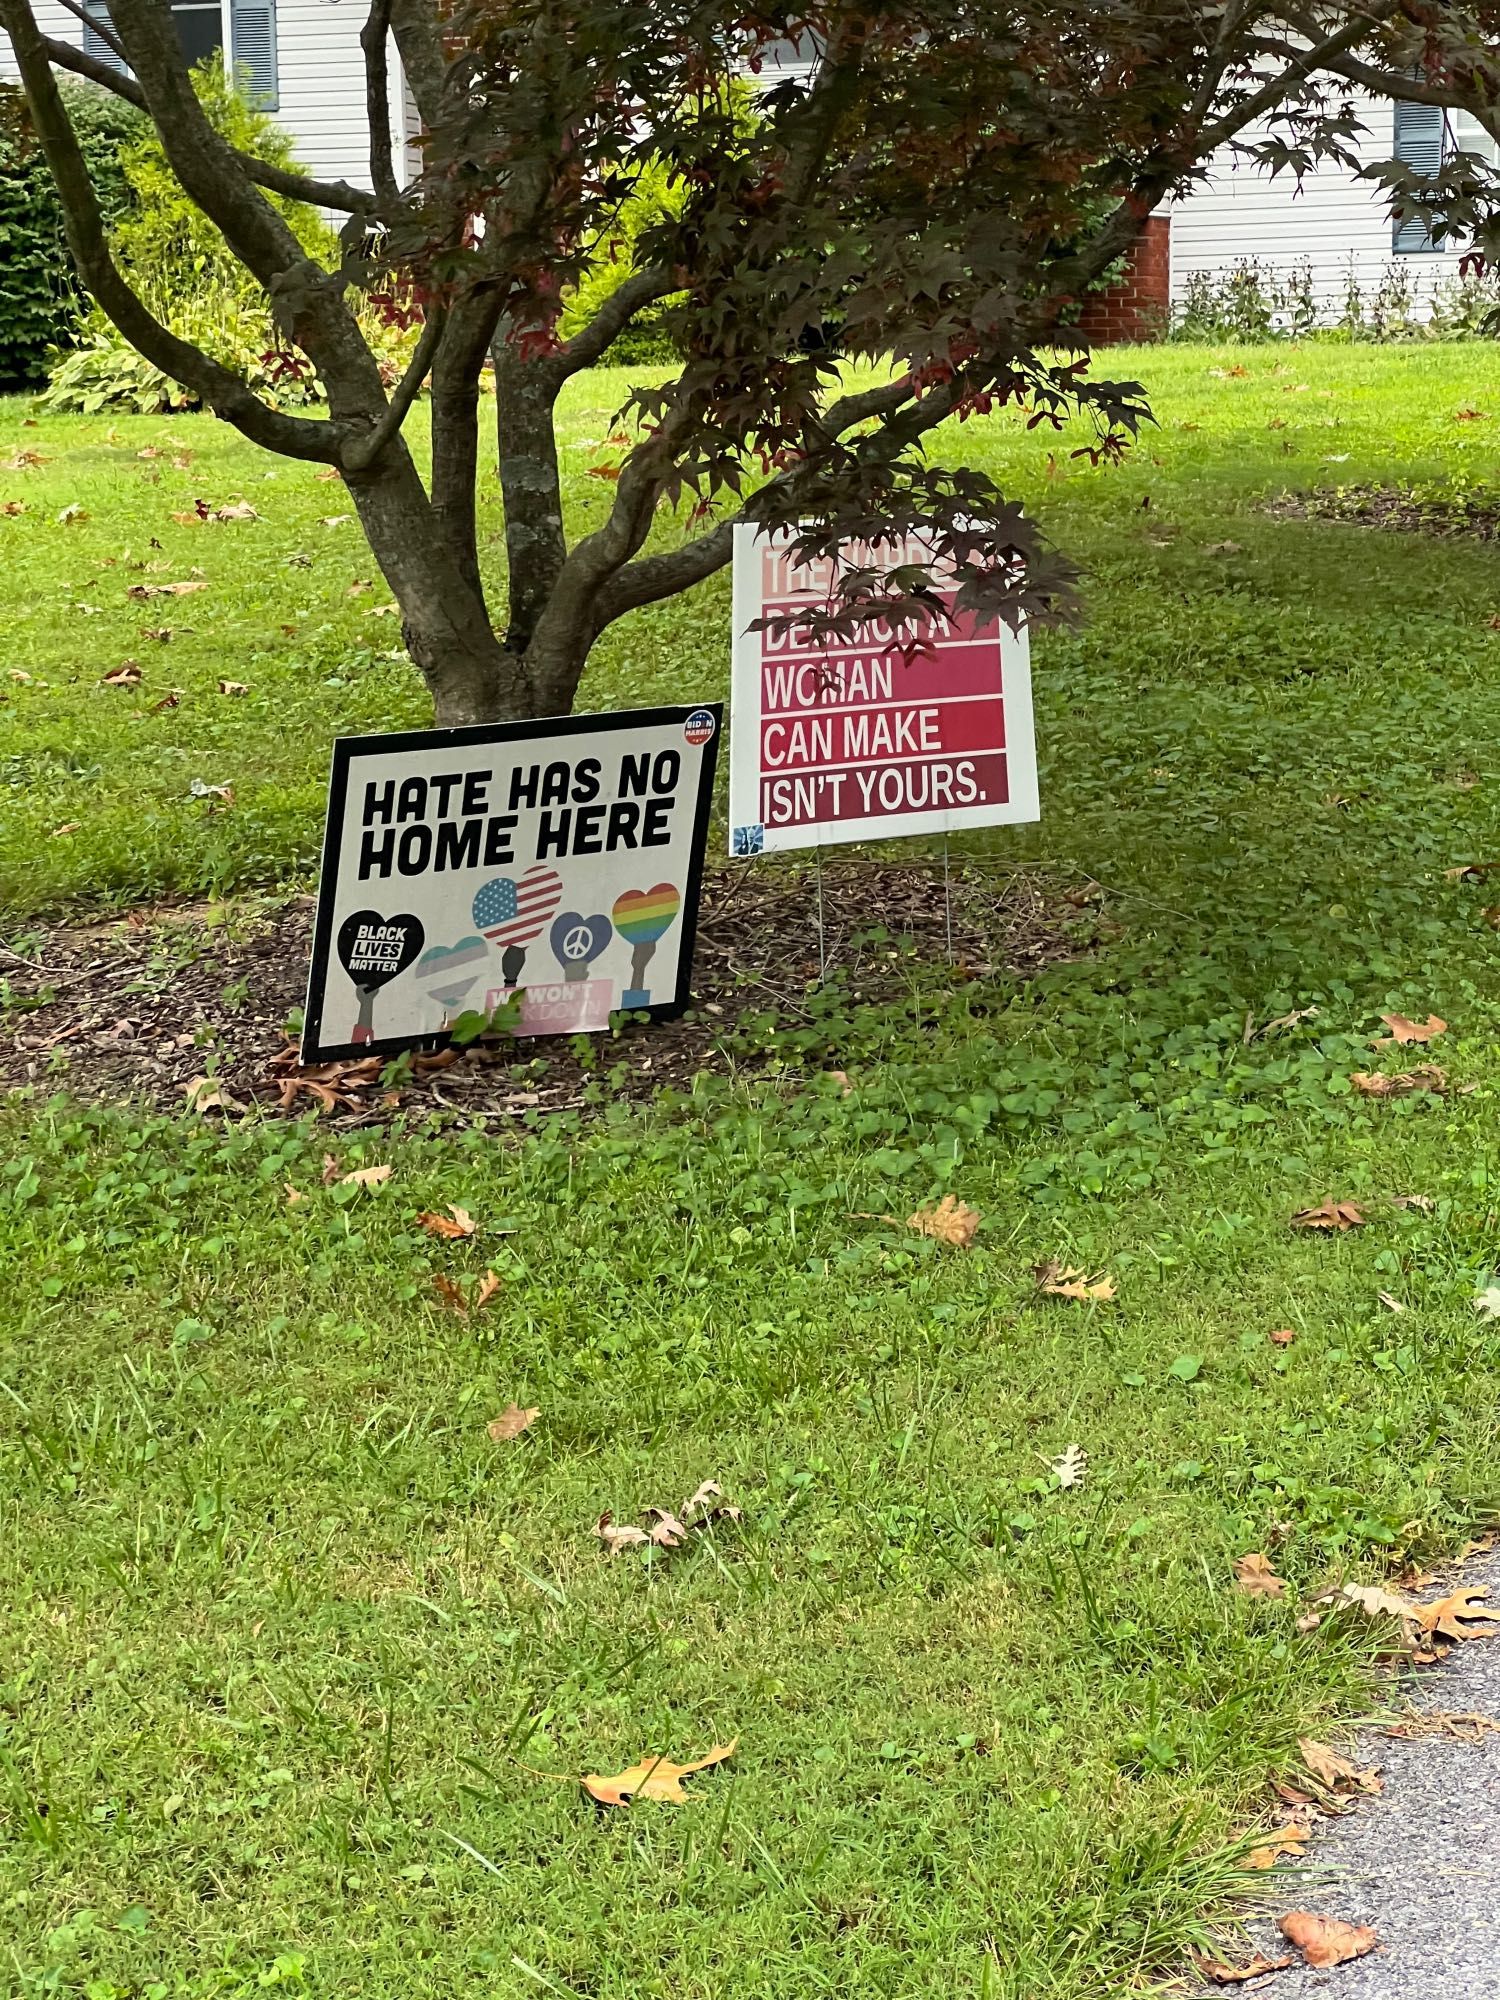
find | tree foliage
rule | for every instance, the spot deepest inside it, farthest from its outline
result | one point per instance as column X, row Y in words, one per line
column 856, row 249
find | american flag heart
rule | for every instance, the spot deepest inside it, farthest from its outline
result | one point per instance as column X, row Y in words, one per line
column 510, row 912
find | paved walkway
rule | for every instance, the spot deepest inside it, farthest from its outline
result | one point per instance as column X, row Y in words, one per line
column 1421, row 1861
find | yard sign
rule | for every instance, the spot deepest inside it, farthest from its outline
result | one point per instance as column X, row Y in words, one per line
column 855, row 740
column 558, row 861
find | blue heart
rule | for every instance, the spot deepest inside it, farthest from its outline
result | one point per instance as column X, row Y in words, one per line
column 579, row 940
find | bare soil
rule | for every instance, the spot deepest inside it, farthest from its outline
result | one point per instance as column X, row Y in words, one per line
column 1409, row 510
column 141, row 1009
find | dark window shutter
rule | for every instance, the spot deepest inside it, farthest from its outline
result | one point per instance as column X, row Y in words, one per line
column 1421, row 132
column 94, row 43
column 252, row 45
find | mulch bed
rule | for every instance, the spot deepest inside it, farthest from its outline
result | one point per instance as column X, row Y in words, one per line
column 1408, row 510
column 135, row 1009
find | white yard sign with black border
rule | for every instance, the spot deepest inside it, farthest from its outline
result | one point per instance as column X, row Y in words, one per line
column 548, row 869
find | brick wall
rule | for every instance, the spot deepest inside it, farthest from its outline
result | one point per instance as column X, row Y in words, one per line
column 1137, row 307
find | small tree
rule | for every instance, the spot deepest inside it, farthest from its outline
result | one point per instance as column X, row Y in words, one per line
column 847, row 254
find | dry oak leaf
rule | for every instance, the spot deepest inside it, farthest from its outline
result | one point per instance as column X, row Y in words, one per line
column 366, row 1177
column 1424, row 1202
column 458, row 1222
column 1326, row 1940
column 1288, row 1843
column 1283, row 1336
column 1403, row 1030
column 1255, row 1576
column 668, row 1532
column 1426, row 1076
column 235, row 510
column 207, row 1093
column 619, row 1535
column 510, row 1423
column 1224, row 1974
column 950, row 1221
column 1463, row 1615
column 1336, row 1772
column 489, row 1284
column 1333, row 1215
column 703, row 1506
column 1056, row 1281
column 652, row 1778
column 449, row 1293
column 1375, row 1602
column 126, row 675
column 234, row 687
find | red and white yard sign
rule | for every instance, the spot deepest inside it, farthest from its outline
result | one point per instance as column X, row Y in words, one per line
column 857, row 740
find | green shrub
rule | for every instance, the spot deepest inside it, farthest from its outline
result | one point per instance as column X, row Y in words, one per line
column 647, row 340
column 180, row 266
column 41, row 303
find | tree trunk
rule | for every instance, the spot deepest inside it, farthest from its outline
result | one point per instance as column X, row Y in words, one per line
column 444, row 623
column 530, row 485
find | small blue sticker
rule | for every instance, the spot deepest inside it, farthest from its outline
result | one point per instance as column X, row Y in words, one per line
column 747, row 840
column 699, row 726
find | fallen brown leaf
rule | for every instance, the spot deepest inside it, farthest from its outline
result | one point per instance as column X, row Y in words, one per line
column 207, row 1093
column 1255, row 1576
column 668, row 1532
column 235, row 510
column 489, row 1284
column 1224, row 1974
column 1334, row 1772
column 510, row 1423
column 1282, row 1337
column 126, row 675
column 652, row 1778
column 1404, row 1031
column 1333, row 1215
column 234, row 687
column 950, row 1222
column 1375, row 1602
column 1462, row 1615
column 1466, row 1725
column 1287, row 1844
column 616, row 1536
column 458, row 1222
column 1426, row 1076
column 367, row 1176
column 1057, row 1281
column 1326, row 1940
column 1424, row 1202
column 701, row 1507
column 294, row 1195
column 449, row 1293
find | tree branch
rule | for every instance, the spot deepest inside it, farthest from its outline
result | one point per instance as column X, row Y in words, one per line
column 363, row 451
column 277, row 180
column 103, row 29
column 372, row 39
column 224, row 392
column 641, row 289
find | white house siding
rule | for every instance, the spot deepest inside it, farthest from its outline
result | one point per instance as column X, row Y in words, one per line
column 1334, row 221
column 321, row 76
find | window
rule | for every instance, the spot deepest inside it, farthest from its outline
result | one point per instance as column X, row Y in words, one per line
column 1422, row 145
column 201, row 33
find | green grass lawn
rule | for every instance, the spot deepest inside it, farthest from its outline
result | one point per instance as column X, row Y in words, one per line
column 299, row 1668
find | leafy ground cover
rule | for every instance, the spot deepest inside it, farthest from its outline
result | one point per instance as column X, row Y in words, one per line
column 302, row 1666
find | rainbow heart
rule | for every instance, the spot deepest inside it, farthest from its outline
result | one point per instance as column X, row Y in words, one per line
column 643, row 915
